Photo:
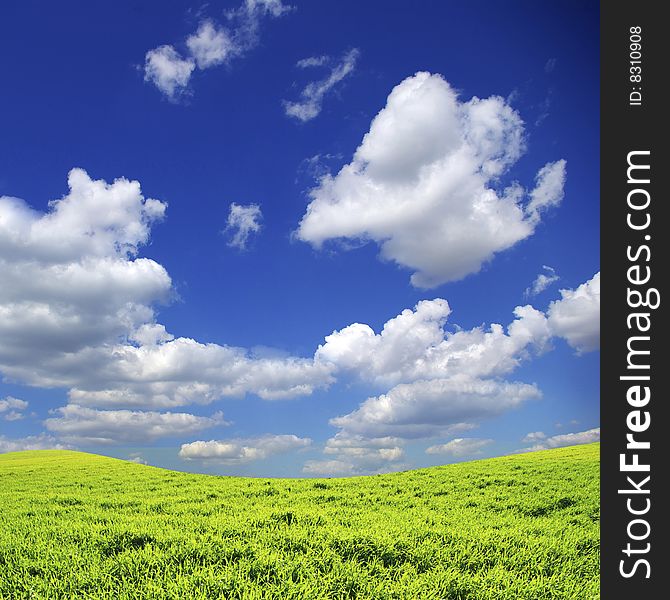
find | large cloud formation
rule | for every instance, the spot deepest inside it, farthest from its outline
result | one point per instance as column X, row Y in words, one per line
column 442, row 382
column 422, row 184
column 77, row 311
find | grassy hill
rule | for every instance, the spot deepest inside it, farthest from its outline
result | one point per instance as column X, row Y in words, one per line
column 76, row 525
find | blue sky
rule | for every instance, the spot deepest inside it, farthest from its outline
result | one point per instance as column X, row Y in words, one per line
column 302, row 170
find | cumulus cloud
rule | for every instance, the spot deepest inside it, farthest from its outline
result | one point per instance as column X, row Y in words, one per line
column 11, row 409
column 365, row 449
column 352, row 454
column 242, row 450
column 184, row 371
column 243, row 221
column 423, row 184
column 32, row 442
column 443, row 382
column 431, row 408
column 311, row 98
column 77, row 310
column 414, row 346
column 168, row 70
column 71, row 278
column 542, row 281
column 559, row 441
column 576, row 316
column 534, row 436
column 211, row 45
column 461, row 447
column 82, row 425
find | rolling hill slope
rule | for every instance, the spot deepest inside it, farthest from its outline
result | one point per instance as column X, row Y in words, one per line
column 76, row 525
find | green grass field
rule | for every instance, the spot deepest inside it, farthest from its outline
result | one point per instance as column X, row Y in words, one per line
column 75, row 525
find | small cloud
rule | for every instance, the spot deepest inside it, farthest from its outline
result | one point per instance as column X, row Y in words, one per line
column 329, row 468
column 534, row 436
column 137, row 457
column 32, row 442
column 243, row 221
column 542, row 282
column 461, row 447
column 312, row 61
column 242, row 450
column 82, row 425
column 14, row 416
column 309, row 106
column 565, row 439
column 11, row 409
column 548, row 191
column 315, row 167
column 211, row 45
column 550, row 65
column 543, row 108
column 168, row 71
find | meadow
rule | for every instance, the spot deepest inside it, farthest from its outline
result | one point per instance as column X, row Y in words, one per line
column 520, row 527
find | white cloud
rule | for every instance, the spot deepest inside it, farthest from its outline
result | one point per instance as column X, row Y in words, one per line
column 9, row 403
column 329, row 468
column 276, row 8
column 137, row 457
column 211, row 45
column 444, row 382
column 311, row 98
column 242, row 222
column 534, row 436
column 549, row 184
column 566, row 439
column 576, row 317
column 184, row 371
column 429, row 408
column 76, row 310
column 82, row 425
column 414, row 346
column 11, row 409
column 242, row 450
column 422, row 184
column 33, row 442
column 364, row 451
column 460, row 447
column 168, row 70
column 542, row 281
column 312, row 61
column 71, row 278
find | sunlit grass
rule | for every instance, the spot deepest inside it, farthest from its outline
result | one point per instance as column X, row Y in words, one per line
column 75, row 525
